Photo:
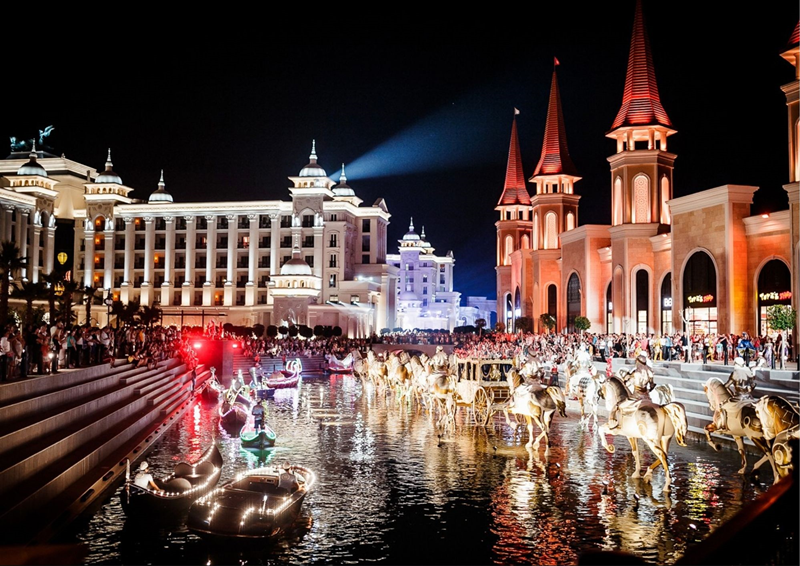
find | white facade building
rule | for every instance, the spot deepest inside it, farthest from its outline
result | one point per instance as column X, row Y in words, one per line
column 425, row 296
column 318, row 258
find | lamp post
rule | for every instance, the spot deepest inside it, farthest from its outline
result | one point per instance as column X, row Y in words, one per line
column 109, row 300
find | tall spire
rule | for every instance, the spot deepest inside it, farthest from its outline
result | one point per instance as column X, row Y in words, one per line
column 641, row 103
column 555, row 159
column 313, row 156
column 514, row 190
column 109, row 165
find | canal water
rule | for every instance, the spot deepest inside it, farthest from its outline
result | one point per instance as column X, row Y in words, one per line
column 392, row 490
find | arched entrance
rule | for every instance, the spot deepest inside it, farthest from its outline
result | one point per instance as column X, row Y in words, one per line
column 509, row 313
column 666, row 305
column 642, row 302
column 609, row 311
column 700, row 294
column 774, row 288
column 573, row 301
column 552, row 301
column 517, row 308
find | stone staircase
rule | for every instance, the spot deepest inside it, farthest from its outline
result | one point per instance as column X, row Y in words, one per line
column 65, row 437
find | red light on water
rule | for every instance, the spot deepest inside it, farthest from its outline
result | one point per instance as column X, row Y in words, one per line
column 198, row 345
column 235, row 345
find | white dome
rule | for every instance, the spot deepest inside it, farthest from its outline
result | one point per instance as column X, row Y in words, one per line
column 408, row 296
column 32, row 167
column 108, row 176
column 296, row 265
column 160, row 194
column 313, row 169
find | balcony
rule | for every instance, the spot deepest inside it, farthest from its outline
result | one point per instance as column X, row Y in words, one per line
column 241, row 284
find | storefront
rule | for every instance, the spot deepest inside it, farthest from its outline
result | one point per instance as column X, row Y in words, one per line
column 700, row 295
column 774, row 288
column 666, row 305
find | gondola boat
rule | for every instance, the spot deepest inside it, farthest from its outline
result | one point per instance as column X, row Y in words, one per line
column 258, row 504
column 335, row 365
column 186, row 483
column 257, row 439
column 282, row 379
column 233, row 415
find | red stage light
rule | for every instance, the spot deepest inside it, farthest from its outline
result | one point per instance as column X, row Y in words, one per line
column 197, row 345
column 235, row 345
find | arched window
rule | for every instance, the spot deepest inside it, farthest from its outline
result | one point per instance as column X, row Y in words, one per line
column 774, row 288
column 664, row 198
column 700, row 294
column 525, row 242
column 618, row 203
column 642, row 301
column 536, row 231
column 573, row 301
column 517, row 307
column 570, row 221
column 509, row 250
column 609, row 310
column 641, row 199
column 552, row 300
column 666, row 305
column 509, row 312
column 550, row 231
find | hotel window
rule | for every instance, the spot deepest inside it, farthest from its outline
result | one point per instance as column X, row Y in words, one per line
column 365, row 225
column 286, row 221
column 333, row 217
column 310, row 260
column 353, row 299
column 334, row 298
column 365, row 258
column 334, row 242
column 332, row 262
column 332, row 280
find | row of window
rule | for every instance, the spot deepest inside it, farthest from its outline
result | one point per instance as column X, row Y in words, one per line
column 222, row 222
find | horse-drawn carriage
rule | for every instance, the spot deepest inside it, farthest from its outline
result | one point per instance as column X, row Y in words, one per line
column 482, row 384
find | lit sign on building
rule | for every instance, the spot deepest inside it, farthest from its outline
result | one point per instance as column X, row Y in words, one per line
column 699, row 299
column 668, row 302
column 775, row 296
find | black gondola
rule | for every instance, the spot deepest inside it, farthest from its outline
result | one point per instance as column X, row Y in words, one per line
column 179, row 490
column 257, row 504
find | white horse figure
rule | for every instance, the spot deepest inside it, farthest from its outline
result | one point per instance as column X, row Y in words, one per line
column 585, row 385
column 640, row 419
column 537, row 404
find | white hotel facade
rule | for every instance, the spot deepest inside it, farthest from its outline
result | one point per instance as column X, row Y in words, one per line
column 318, row 258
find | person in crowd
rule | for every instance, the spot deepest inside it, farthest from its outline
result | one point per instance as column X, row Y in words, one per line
column 144, row 478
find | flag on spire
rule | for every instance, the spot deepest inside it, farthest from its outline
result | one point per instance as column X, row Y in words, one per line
column 516, row 112
column 555, row 62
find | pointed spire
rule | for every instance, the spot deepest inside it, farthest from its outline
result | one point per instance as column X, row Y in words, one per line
column 33, row 150
column 313, row 156
column 342, row 177
column 555, row 159
column 109, row 165
column 514, row 190
column 411, row 225
column 641, row 103
column 161, row 183
column 160, row 194
column 422, row 235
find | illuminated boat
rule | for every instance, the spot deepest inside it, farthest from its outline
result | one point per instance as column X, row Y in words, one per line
column 186, row 483
column 285, row 378
column 258, row 439
column 257, row 504
column 233, row 416
column 335, row 365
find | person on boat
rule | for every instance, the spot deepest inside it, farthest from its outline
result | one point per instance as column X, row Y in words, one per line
column 287, row 479
column 144, row 479
column 259, row 413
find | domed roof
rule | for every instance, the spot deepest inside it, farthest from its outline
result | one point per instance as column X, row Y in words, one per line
column 296, row 265
column 411, row 236
column 312, row 169
column 108, row 176
column 343, row 189
column 160, row 194
column 408, row 296
column 32, row 167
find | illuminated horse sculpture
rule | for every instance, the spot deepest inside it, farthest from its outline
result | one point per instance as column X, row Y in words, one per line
column 399, row 376
column 537, row 404
column 585, row 383
column 442, row 392
column 781, row 424
column 736, row 417
column 640, row 419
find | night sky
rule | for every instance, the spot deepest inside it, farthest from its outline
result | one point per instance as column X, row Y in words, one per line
column 419, row 113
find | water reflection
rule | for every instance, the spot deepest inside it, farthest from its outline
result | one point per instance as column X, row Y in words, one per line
column 393, row 489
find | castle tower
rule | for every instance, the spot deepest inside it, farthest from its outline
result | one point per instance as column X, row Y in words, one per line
column 513, row 233
column 641, row 185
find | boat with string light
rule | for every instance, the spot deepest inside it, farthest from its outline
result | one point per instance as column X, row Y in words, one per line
column 261, row 439
column 257, row 504
column 283, row 379
column 177, row 492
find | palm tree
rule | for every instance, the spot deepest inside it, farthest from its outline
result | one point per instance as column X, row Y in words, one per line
column 148, row 315
column 90, row 296
column 68, row 299
column 28, row 291
column 118, row 309
column 128, row 312
column 51, row 280
column 10, row 262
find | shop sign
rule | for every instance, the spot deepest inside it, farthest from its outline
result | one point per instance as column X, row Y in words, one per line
column 667, row 302
column 775, row 296
column 699, row 299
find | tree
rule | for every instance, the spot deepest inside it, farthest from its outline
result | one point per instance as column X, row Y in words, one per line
column 337, row 331
column 499, row 326
column 284, row 330
column 128, row 312
column 90, row 296
column 272, row 331
column 524, row 324
column 51, row 280
column 293, row 331
column 582, row 323
column 781, row 317
column 148, row 315
column 28, row 291
column 548, row 321
column 480, row 324
column 305, row 331
column 10, row 263
column 67, row 299
column 258, row 330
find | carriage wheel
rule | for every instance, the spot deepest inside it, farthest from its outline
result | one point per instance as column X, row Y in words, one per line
column 481, row 407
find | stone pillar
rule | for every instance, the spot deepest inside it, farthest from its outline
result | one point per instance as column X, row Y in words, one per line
column 211, row 261
column 169, row 261
column 49, row 246
column 275, row 237
column 251, row 288
column 88, row 253
column 108, row 252
column 149, row 251
column 319, row 247
column 33, row 263
column 22, row 238
column 125, row 293
column 230, row 276
column 8, row 221
column 187, row 289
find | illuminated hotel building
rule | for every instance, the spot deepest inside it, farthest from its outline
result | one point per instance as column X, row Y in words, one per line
column 318, row 258
column 425, row 296
column 699, row 263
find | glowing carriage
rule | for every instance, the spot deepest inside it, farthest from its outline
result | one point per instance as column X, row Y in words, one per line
column 482, row 384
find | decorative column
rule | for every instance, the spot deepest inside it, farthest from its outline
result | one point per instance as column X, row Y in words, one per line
column 169, row 260
column 187, row 289
column 88, row 253
column 108, row 252
column 8, row 218
column 125, row 293
column 319, row 244
column 49, row 244
column 230, row 276
column 22, row 238
column 211, row 260
column 33, row 255
column 275, row 236
column 149, row 243
column 251, row 287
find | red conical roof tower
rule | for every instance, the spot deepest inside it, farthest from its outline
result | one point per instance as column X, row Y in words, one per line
column 555, row 159
column 641, row 103
column 514, row 190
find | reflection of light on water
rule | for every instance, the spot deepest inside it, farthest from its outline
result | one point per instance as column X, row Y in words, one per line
column 702, row 489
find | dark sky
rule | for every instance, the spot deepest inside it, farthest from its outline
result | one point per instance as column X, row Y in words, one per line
column 420, row 113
